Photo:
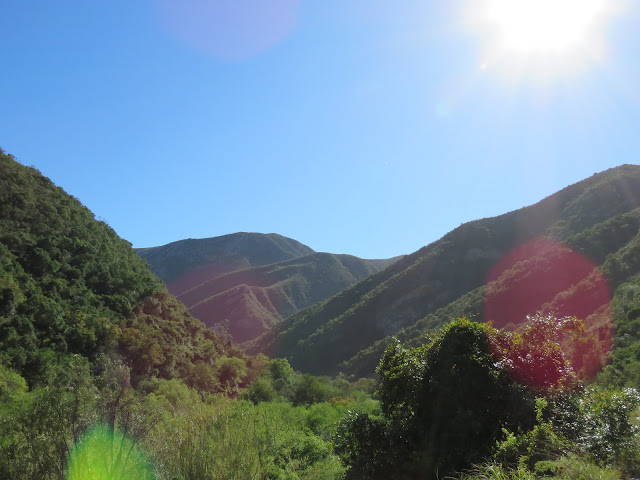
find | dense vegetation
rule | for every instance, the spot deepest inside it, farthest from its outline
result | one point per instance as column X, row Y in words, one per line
column 473, row 402
column 482, row 401
column 76, row 302
column 69, row 285
column 93, row 350
column 282, row 429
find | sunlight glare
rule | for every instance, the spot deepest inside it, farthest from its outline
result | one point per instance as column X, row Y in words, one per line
column 537, row 25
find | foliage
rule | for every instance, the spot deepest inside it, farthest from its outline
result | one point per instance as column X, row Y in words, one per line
column 528, row 448
column 447, row 403
column 569, row 467
column 573, row 467
column 444, row 405
column 624, row 367
column 280, row 369
column 70, row 285
column 184, row 435
column 600, row 424
column 66, row 279
column 369, row 446
column 87, row 332
column 259, row 439
column 38, row 428
column 583, row 433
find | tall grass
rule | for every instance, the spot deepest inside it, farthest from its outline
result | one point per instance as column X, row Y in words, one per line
column 241, row 441
column 570, row 467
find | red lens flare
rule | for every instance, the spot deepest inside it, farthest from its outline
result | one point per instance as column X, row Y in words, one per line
column 229, row 29
column 547, row 277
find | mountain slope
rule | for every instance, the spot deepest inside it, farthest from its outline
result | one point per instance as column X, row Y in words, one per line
column 456, row 275
column 186, row 263
column 250, row 301
column 69, row 285
column 242, row 286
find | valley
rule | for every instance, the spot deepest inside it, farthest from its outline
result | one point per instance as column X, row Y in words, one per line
column 252, row 356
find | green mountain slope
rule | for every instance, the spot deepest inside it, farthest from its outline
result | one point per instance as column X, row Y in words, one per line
column 500, row 269
column 70, row 285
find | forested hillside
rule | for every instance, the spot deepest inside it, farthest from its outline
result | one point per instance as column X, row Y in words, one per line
column 70, row 285
column 241, row 284
column 566, row 254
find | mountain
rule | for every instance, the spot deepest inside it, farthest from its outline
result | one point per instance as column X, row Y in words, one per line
column 565, row 255
column 242, row 284
column 250, row 301
column 185, row 263
column 70, row 286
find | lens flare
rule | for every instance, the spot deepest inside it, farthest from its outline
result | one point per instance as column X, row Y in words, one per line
column 230, row 30
column 547, row 277
column 102, row 454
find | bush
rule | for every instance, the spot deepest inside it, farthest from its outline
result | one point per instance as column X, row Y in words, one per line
column 604, row 429
column 446, row 404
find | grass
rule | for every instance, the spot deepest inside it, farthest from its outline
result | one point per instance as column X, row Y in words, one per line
column 570, row 467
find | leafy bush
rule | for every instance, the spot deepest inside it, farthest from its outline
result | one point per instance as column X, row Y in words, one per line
column 446, row 404
column 601, row 424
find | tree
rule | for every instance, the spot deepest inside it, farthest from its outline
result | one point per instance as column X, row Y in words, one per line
column 232, row 371
column 280, row 369
column 39, row 428
column 446, row 404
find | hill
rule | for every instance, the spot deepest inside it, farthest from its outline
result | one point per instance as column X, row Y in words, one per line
column 186, row 263
column 70, row 286
column 565, row 255
column 242, row 284
column 248, row 302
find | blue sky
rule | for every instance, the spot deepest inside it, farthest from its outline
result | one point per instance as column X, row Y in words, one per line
column 363, row 127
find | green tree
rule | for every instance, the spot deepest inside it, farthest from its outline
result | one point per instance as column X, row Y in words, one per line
column 280, row 369
column 39, row 428
column 446, row 404
column 232, row 371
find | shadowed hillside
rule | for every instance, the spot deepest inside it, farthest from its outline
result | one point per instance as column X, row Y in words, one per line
column 251, row 301
column 186, row 263
column 240, row 285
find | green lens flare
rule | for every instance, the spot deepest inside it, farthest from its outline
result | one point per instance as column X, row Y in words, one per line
column 105, row 455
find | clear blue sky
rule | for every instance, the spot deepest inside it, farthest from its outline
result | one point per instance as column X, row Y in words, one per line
column 363, row 127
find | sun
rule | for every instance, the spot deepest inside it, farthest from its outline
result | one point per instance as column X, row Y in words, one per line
column 544, row 25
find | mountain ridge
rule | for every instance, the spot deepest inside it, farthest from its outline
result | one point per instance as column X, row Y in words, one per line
column 224, row 253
